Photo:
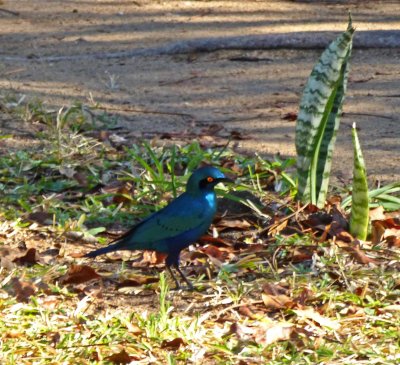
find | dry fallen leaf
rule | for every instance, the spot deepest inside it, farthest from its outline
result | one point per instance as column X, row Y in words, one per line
column 336, row 230
column 239, row 136
column 81, row 178
column 43, row 218
column 273, row 289
column 393, row 241
column 232, row 165
column 377, row 214
column 276, row 301
column 13, row 333
column 212, row 129
column 121, row 358
column 67, row 171
column 215, row 252
column 246, row 311
column 305, row 296
column 274, row 297
column 275, row 228
column 31, row 257
column 392, row 222
column 23, row 290
column 7, row 256
column 334, row 200
column 387, row 229
column 217, row 263
column 301, row 254
column 391, row 232
column 311, row 314
column 210, row 142
column 378, row 230
column 6, row 263
column 118, row 140
column 291, row 116
column 49, row 302
column 123, row 194
column 77, row 255
column 214, row 240
column 138, row 280
column 233, row 223
column 173, row 344
column 153, row 258
column 391, row 308
column 359, row 255
column 273, row 332
column 243, row 333
column 78, row 274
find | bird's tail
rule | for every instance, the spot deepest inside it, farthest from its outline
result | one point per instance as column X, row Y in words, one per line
column 101, row 251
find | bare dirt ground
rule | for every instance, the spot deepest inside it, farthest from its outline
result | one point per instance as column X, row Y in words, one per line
column 63, row 51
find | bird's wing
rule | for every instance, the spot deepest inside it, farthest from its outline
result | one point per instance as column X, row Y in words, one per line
column 183, row 214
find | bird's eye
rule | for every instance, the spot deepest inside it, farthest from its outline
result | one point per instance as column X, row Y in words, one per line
column 210, row 179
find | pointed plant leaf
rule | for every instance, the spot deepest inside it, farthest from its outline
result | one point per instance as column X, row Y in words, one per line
column 360, row 207
column 318, row 118
column 328, row 140
column 380, row 194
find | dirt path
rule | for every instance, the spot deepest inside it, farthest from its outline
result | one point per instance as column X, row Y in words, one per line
column 189, row 91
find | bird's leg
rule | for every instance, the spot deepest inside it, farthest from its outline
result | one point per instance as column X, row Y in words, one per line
column 173, row 277
column 185, row 279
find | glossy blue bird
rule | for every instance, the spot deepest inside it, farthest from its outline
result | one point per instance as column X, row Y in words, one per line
column 176, row 226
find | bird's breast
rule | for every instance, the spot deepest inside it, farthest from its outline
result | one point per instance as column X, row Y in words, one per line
column 201, row 211
column 210, row 203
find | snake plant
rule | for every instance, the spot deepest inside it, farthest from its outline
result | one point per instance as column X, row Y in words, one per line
column 319, row 117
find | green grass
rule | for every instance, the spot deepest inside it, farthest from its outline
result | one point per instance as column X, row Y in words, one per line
column 230, row 320
column 59, row 325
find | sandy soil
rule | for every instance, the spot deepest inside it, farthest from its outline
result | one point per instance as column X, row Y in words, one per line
column 189, row 91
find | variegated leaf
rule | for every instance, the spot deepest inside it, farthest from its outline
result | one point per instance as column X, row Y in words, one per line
column 319, row 117
column 359, row 208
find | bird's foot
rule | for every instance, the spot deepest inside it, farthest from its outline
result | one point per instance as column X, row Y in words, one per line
column 189, row 287
column 185, row 288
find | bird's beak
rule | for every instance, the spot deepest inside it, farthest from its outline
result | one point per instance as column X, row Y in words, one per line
column 225, row 179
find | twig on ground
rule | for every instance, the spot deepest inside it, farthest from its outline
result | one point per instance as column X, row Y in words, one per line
column 370, row 115
column 253, row 42
column 15, row 13
column 143, row 111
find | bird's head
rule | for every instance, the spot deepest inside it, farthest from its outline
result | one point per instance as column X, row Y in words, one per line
column 205, row 178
